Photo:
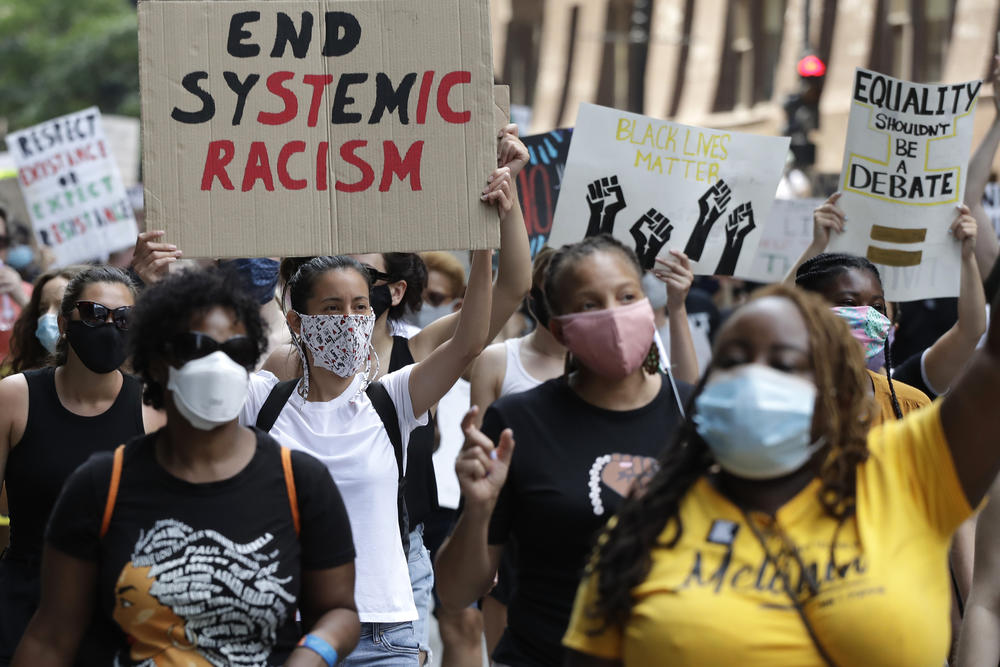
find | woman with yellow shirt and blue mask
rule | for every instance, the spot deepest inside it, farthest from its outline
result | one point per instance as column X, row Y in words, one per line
column 779, row 530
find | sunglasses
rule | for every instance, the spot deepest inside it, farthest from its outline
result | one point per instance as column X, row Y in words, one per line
column 192, row 345
column 94, row 314
column 374, row 275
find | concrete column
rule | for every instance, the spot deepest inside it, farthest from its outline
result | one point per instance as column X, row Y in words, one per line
column 701, row 76
column 666, row 36
column 500, row 15
column 852, row 36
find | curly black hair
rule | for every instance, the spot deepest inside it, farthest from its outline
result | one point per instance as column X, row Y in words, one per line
column 165, row 310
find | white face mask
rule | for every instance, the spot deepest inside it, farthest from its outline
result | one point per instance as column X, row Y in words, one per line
column 338, row 343
column 757, row 421
column 209, row 391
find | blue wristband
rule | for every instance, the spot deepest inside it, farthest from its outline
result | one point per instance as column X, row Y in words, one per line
column 320, row 646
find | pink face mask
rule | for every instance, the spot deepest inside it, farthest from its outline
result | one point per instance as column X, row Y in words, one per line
column 613, row 342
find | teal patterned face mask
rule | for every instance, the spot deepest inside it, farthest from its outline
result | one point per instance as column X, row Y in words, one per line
column 868, row 326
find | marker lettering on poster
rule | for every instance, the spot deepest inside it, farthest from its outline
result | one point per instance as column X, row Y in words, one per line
column 903, row 174
column 693, row 153
column 659, row 186
column 346, row 116
column 72, row 187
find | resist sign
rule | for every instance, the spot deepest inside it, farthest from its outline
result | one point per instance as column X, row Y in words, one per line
column 304, row 128
column 904, row 173
column 72, row 187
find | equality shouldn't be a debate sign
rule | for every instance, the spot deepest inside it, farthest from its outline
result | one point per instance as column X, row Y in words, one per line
column 904, row 172
column 72, row 187
column 657, row 185
column 304, row 128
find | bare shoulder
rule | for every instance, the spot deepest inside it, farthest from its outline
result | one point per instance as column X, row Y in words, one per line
column 14, row 414
column 284, row 362
column 491, row 363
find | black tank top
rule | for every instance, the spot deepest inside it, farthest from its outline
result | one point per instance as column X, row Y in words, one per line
column 54, row 444
column 421, row 484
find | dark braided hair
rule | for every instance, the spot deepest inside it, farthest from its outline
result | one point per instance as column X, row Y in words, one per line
column 816, row 275
column 843, row 416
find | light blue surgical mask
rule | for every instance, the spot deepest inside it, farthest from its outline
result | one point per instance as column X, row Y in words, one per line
column 20, row 256
column 47, row 331
column 757, row 421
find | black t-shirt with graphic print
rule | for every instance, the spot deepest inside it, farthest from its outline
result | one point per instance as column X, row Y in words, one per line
column 214, row 567
column 572, row 467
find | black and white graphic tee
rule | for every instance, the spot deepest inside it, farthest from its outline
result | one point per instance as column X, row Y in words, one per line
column 573, row 466
column 201, row 574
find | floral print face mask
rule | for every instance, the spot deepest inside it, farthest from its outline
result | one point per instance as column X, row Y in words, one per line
column 338, row 343
column 868, row 326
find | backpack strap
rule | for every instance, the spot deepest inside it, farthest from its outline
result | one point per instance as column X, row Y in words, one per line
column 275, row 403
column 293, row 499
column 116, row 478
column 386, row 409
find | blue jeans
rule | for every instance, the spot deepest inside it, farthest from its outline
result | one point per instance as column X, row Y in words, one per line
column 385, row 645
column 422, row 581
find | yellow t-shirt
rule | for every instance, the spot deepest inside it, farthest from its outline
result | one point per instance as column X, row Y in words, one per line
column 909, row 398
column 715, row 599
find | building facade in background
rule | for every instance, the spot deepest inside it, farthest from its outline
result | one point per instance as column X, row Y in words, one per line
column 730, row 64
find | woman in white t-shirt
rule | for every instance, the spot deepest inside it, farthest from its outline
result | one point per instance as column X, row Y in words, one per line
column 330, row 415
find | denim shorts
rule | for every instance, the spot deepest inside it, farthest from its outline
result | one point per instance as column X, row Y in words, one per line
column 385, row 645
column 422, row 581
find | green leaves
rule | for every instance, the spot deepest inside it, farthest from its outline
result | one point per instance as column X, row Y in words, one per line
column 58, row 56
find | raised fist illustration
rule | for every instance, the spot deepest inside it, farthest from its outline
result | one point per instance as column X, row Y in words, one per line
column 651, row 232
column 605, row 199
column 738, row 226
column 711, row 206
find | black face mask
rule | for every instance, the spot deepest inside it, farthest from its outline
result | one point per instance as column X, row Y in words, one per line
column 539, row 309
column 102, row 349
column 380, row 299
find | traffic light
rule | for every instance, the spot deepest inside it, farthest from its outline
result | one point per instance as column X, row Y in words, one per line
column 802, row 109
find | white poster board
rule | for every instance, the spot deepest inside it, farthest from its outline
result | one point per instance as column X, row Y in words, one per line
column 657, row 185
column 787, row 234
column 904, row 173
column 72, row 187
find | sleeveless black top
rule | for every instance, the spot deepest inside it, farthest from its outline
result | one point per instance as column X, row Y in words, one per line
column 55, row 443
column 421, row 484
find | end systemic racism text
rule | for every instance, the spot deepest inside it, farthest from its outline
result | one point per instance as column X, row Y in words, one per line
column 414, row 98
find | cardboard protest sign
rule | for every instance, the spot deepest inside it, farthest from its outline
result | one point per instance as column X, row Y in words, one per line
column 788, row 232
column 72, row 188
column 904, row 172
column 539, row 182
column 304, row 128
column 657, row 185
